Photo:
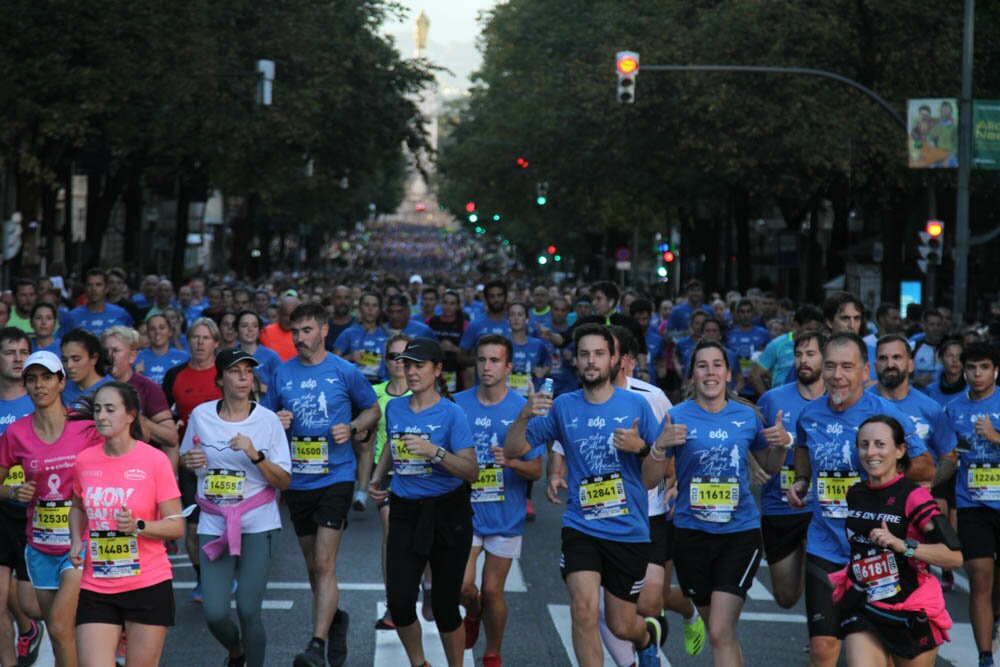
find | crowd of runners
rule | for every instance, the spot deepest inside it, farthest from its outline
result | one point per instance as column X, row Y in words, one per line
column 694, row 437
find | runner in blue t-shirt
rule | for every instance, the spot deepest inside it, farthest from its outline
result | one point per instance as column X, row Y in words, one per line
column 498, row 496
column 826, row 460
column 248, row 328
column 605, row 526
column 433, row 459
column 154, row 361
column 748, row 341
column 17, row 590
column 531, row 360
column 975, row 417
column 314, row 395
column 363, row 342
column 783, row 527
column 717, row 547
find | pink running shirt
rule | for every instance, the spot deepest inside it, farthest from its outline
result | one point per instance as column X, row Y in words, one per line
column 50, row 467
column 141, row 480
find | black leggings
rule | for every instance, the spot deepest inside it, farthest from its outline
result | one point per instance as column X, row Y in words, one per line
column 436, row 531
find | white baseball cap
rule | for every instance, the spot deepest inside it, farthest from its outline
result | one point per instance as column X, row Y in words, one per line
column 43, row 358
column 415, row 278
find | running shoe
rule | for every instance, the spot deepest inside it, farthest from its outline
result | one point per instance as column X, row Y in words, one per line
column 492, row 660
column 694, row 636
column 312, row 656
column 385, row 623
column 947, row 581
column 426, row 610
column 359, row 500
column 650, row 656
column 121, row 654
column 471, row 624
column 196, row 595
column 530, row 506
column 664, row 628
column 336, row 643
column 29, row 644
column 986, row 660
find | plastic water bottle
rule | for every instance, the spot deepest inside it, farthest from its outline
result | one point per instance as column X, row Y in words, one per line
column 201, row 470
column 546, row 387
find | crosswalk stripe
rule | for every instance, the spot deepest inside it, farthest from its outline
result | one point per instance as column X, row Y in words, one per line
column 389, row 650
column 961, row 650
column 561, row 619
column 759, row 593
column 274, row 605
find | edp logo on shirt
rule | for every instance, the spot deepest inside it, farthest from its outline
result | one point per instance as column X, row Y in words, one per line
column 596, row 422
column 307, row 384
column 719, row 434
column 835, row 429
column 483, row 421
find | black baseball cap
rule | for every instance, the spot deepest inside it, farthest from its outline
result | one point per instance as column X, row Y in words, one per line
column 229, row 358
column 422, row 349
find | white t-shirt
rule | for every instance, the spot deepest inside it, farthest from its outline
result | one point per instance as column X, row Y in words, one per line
column 230, row 476
column 660, row 404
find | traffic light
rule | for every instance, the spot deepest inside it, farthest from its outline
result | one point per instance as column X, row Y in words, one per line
column 667, row 257
column 541, row 193
column 496, row 217
column 12, row 237
column 470, row 207
column 551, row 250
column 627, row 64
column 473, row 218
column 931, row 246
column 522, row 163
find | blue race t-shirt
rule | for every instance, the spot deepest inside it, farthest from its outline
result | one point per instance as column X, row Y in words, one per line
column 747, row 344
column 927, row 417
column 680, row 316
column 976, row 482
column 480, row 327
column 155, row 366
column 318, row 397
column 55, row 347
column 72, row 392
column 499, row 495
column 443, row 424
column 774, row 494
column 96, row 323
column 543, row 319
column 372, row 347
column 607, row 498
column 713, row 484
column 778, row 359
column 532, row 354
column 267, row 363
column 831, row 439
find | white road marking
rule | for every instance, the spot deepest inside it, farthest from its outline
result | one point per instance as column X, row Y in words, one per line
column 274, row 605
column 759, row 593
column 515, row 578
column 389, row 650
column 753, row 616
column 559, row 613
column 961, row 650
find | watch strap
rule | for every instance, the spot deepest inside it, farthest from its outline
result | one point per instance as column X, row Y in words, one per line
column 260, row 458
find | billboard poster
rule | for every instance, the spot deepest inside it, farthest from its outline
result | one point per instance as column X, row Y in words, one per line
column 986, row 134
column 933, row 133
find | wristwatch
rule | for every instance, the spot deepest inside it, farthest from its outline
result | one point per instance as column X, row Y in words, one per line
column 911, row 546
column 438, row 455
column 260, row 458
column 140, row 526
column 644, row 450
column 354, row 430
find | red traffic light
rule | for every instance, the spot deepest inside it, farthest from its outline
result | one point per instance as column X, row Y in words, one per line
column 551, row 249
column 627, row 64
column 470, row 207
column 522, row 163
column 935, row 228
column 668, row 256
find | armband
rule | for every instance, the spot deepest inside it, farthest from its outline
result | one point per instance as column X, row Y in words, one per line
column 942, row 533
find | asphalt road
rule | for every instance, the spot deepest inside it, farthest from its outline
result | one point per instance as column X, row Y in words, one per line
column 538, row 629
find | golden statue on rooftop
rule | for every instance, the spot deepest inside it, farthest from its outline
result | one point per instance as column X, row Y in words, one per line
column 423, row 25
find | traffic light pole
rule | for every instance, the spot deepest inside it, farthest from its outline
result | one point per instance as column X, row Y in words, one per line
column 802, row 71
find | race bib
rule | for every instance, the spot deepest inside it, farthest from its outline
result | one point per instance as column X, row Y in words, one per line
column 404, row 462
column 878, row 575
column 714, row 498
column 984, row 482
column 519, row 383
column 370, row 363
column 745, row 364
column 15, row 476
column 114, row 555
column 831, row 490
column 50, row 523
column 488, row 487
column 220, row 485
column 310, row 454
column 451, row 380
column 603, row 496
